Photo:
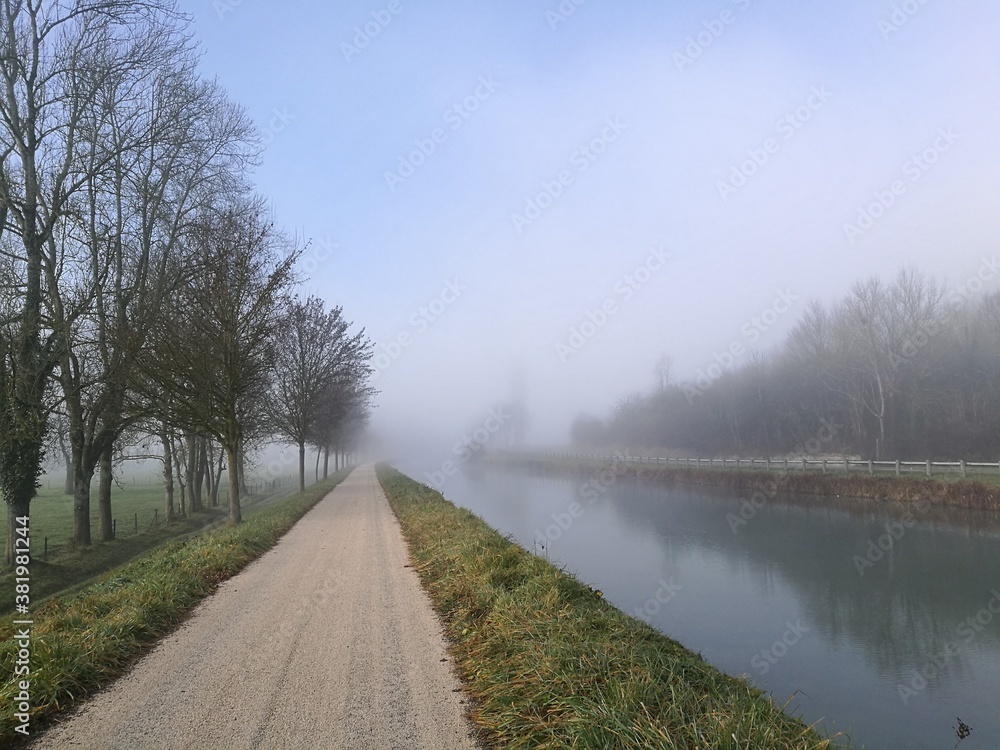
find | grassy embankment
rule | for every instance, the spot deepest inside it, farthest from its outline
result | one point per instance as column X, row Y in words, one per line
column 552, row 665
column 83, row 641
column 141, row 527
column 975, row 494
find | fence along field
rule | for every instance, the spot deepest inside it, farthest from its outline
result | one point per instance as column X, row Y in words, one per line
column 939, row 469
column 138, row 505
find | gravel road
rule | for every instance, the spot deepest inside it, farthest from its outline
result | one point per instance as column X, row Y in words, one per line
column 325, row 642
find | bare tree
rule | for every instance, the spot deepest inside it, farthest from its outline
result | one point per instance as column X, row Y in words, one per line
column 54, row 59
column 661, row 372
column 870, row 375
column 347, row 414
column 346, row 403
column 171, row 144
column 309, row 357
column 209, row 358
column 875, row 323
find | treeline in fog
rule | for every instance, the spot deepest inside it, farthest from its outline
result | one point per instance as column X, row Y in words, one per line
column 902, row 369
column 147, row 302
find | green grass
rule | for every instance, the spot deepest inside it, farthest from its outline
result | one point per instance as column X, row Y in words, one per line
column 52, row 510
column 67, row 566
column 52, row 513
column 83, row 641
column 550, row 664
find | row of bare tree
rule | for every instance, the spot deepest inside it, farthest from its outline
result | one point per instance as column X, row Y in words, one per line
column 143, row 290
column 894, row 370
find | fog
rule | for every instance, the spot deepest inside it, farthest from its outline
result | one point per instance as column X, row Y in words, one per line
column 530, row 202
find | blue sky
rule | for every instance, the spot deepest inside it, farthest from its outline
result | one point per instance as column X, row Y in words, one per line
column 744, row 138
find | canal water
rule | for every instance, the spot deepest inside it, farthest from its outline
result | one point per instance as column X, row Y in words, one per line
column 882, row 626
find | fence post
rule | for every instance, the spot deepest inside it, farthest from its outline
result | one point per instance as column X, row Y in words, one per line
column 897, row 467
column 824, row 466
column 961, row 467
column 847, row 465
column 803, row 465
column 784, row 465
column 871, row 467
column 928, row 467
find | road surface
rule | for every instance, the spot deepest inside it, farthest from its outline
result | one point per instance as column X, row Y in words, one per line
column 325, row 642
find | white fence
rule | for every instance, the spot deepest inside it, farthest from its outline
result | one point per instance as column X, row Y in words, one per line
column 825, row 465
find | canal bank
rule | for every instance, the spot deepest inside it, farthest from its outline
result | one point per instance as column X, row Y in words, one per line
column 922, row 494
column 550, row 663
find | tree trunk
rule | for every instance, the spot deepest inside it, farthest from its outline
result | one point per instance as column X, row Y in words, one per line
column 238, row 466
column 178, row 451
column 317, row 465
column 213, row 482
column 68, row 460
column 168, row 476
column 191, row 474
column 204, row 473
column 302, row 466
column 880, row 443
column 235, row 516
column 326, row 461
column 182, row 510
column 81, row 501
column 217, row 483
column 104, row 495
column 336, row 460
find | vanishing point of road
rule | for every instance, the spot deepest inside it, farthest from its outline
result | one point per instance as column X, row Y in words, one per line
column 327, row 642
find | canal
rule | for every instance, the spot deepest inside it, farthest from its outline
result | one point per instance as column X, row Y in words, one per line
column 880, row 625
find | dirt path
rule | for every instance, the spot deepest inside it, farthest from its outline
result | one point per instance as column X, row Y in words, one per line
column 326, row 642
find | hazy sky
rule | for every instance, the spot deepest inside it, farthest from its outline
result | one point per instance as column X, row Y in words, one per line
column 483, row 178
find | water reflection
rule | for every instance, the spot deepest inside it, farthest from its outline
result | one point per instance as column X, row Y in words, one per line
column 875, row 622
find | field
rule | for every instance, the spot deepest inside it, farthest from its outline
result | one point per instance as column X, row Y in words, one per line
column 139, row 511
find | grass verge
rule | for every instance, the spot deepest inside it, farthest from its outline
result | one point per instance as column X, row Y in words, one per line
column 552, row 665
column 82, row 642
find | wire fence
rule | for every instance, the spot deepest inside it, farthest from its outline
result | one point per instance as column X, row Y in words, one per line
column 824, row 465
column 128, row 522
